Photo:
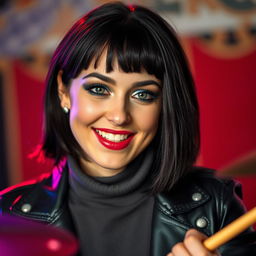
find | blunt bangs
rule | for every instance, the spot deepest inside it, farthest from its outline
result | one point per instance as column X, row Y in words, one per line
column 124, row 39
column 134, row 51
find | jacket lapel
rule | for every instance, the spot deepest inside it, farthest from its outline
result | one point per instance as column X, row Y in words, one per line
column 170, row 221
column 47, row 201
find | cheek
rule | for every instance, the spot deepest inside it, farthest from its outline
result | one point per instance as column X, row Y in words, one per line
column 147, row 120
column 83, row 111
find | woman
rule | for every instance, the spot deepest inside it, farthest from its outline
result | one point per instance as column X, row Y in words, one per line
column 121, row 123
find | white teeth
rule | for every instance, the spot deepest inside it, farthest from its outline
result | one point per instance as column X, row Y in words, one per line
column 117, row 137
column 112, row 137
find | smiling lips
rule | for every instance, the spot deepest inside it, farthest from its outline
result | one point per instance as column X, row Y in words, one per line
column 113, row 139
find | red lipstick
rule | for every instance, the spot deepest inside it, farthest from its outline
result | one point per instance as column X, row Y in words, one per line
column 112, row 144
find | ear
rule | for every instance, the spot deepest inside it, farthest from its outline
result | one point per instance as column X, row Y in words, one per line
column 63, row 92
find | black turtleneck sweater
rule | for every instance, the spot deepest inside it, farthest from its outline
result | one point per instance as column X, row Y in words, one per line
column 113, row 215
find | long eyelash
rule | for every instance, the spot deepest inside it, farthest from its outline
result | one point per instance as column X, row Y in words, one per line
column 89, row 87
column 152, row 94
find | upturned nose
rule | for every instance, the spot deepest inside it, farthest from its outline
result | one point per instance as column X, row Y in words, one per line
column 119, row 113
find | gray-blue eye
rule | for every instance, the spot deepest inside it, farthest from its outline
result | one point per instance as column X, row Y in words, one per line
column 145, row 95
column 97, row 89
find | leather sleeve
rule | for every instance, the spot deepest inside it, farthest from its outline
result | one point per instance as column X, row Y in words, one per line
column 230, row 209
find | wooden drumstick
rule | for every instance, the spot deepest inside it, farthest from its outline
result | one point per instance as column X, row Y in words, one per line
column 231, row 230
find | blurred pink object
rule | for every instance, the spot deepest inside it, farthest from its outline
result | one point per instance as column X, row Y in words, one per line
column 27, row 238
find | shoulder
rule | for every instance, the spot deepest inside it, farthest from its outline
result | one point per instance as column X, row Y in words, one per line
column 33, row 188
column 220, row 190
column 202, row 188
column 211, row 182
column 202, row 193
column 202, row 200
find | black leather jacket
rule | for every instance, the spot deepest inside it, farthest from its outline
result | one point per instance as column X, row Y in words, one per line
column 199, row 201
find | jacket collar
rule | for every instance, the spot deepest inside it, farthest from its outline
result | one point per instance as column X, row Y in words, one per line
column 48, row 199
column 45, row 199
column 175, row 202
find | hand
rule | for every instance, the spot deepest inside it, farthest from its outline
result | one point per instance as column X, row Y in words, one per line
column 191, row 246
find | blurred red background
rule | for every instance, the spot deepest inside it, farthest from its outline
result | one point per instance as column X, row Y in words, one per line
column 224, row 71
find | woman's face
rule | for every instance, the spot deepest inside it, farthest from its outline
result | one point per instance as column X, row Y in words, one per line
column 113, row 116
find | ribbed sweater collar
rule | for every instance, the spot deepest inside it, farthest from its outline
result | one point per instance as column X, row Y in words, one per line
column 129, row 180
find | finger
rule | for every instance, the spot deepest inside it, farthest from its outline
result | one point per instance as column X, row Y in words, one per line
column 179, row 249
column 195, row 232
column 194, row 243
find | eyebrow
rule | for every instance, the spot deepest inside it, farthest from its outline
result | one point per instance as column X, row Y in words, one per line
column 101, row 77
column 112, row 81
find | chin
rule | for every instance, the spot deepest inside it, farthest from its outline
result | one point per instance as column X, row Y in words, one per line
column 114, row 167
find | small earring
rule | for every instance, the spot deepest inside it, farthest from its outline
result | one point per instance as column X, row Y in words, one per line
column 66, row 110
